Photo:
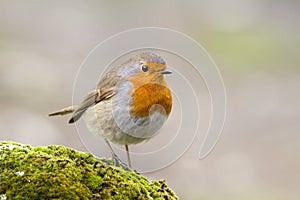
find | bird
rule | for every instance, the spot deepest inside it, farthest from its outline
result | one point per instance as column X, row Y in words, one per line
column 131, row 102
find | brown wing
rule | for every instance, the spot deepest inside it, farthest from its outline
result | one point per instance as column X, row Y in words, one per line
column 105, row 90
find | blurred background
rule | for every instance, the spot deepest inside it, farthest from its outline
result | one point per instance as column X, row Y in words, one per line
column 255, row 44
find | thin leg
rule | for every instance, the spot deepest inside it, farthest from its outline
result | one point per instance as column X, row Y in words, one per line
column 113, row 154
column 116, row 159
column 128, row 156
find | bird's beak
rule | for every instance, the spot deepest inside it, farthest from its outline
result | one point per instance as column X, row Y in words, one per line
column 165, row 72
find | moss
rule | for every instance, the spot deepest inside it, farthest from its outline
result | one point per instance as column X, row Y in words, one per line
column 57, row 172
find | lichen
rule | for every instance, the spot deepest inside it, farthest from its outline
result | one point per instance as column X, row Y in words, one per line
column 57, row 172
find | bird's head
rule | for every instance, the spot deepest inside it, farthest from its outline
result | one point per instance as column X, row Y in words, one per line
column 146, row 68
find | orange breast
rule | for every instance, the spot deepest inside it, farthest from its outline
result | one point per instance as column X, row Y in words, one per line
column 147, row 95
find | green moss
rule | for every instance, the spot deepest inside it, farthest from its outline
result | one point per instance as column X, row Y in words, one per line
column 57, row 172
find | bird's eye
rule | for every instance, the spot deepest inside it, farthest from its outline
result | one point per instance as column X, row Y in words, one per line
column 145, row 68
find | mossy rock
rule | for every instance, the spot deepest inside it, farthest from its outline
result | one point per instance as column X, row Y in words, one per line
column 57, row 172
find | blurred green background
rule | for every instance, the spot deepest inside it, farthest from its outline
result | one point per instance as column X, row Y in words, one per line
column 255, row 44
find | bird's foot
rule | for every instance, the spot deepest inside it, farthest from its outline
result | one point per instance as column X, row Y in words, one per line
column 118, row 162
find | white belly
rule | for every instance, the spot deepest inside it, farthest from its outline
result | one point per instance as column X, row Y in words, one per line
column 121, row 129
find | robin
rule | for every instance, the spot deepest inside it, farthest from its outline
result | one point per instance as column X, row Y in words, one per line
column 130, row 103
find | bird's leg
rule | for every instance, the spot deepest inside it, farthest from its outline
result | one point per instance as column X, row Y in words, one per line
column 128, row 156
column 116, row 159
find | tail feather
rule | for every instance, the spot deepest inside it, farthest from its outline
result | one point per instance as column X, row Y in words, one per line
column 63, row 111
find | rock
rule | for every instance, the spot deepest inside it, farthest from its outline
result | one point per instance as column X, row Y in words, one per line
column 57, row 172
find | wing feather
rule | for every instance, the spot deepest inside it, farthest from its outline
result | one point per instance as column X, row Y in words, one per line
column 106, row 89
